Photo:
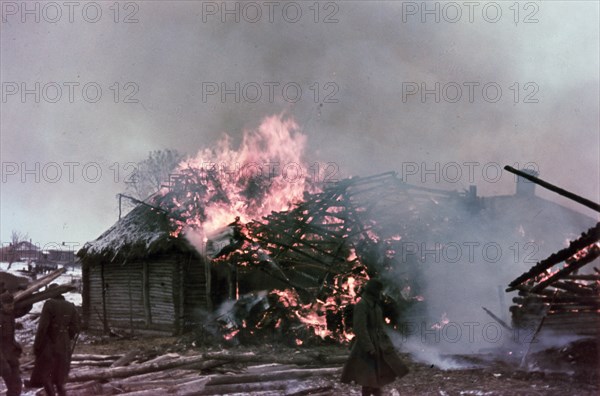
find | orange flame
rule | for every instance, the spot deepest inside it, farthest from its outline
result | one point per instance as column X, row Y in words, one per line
column 443, row 321
column 272, row 153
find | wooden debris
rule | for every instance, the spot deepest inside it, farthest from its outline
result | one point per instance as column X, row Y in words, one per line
column 38, row 284
column 134, row 369
column 562, row 301
column 125, row 359
column 261, row 387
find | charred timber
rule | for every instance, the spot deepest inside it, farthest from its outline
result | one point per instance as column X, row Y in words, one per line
column 497, row 319
column 574, row 288
column 587, row 238
column 595, row 278
column 558, row 299
column 592, row 254
column 553, row 188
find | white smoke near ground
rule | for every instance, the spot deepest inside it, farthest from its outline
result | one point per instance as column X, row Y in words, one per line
column 465, row 264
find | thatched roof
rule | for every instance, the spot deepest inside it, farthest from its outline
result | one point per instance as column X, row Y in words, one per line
column 141, row 233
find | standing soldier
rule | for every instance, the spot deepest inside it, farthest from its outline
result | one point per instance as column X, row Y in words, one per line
column 10, row 350
column 373, row 362
column 58, row 326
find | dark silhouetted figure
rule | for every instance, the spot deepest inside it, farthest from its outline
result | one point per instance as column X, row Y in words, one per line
column 373, row 361
column 10, row 350
column 58, row 326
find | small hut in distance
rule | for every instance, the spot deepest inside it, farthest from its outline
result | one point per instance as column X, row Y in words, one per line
column 138, row 278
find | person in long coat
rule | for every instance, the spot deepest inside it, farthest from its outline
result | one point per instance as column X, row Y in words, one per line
column 57, row 328
column 10, row 350
column 373, row 361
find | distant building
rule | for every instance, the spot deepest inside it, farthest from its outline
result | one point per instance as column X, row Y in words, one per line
column 24, row 250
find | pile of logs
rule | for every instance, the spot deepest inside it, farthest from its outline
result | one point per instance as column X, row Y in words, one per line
column 565, row 300
column 209, row 373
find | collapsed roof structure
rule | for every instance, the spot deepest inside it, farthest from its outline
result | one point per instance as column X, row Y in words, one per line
column 562, row 300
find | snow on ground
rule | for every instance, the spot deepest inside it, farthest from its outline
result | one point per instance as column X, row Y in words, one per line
column 71, row 276
column 26, row 335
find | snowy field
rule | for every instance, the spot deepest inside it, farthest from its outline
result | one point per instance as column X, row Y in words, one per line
column 26, row 335
column 71, row 276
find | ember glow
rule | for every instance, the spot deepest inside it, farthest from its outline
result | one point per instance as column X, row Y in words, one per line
column 443, row 321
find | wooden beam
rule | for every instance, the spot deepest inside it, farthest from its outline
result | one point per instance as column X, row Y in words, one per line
column 146, row 293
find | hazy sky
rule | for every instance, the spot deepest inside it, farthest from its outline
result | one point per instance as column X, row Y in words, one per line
column 516, row 83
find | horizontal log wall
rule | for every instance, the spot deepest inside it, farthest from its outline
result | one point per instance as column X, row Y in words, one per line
column 160, row 279
column 586, row 323
column 175, row 292
column 94, row 293
column 125, row 305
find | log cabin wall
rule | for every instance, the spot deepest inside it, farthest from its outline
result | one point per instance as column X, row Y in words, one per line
column 196, row 289
column 158, row 295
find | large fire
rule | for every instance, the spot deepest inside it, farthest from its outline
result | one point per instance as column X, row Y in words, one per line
column 266, row 173
column 225, row 201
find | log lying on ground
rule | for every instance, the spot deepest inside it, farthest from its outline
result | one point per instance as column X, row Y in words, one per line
column 83, row 389
column 125, row 359
column 160, row 375
column 262, row 387
column 300, row 360
column 119, row 372
column 193, row 387
column 172, row 379
column 88, row 363
column 89, row 356
column 134, row 386
column 268, row 368
column 314, row 390
column 292, row 374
